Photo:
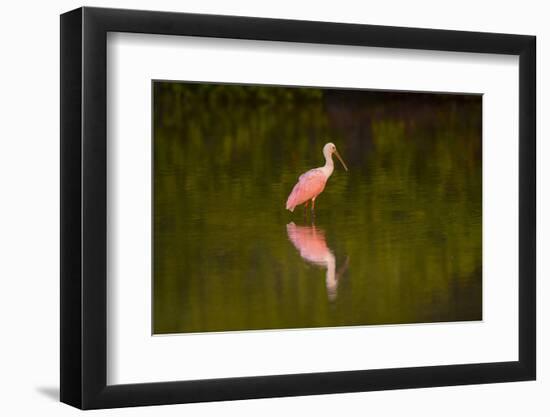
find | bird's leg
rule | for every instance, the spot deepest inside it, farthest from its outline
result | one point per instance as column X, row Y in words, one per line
column 305, row 209
column 313, row 206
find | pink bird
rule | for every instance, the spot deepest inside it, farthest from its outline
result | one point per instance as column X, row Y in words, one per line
column 312, row 183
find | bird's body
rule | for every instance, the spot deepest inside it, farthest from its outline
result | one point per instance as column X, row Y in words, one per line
column 312, row 183
column 309, row 186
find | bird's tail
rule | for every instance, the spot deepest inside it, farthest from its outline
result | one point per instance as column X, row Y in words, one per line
column 292, row 200
column 290, row 203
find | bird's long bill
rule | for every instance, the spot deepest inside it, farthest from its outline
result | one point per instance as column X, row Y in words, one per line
column 341, row 160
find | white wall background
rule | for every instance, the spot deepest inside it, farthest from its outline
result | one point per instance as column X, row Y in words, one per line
column 29, row 226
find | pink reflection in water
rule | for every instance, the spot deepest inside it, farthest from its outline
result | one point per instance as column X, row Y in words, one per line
column 311, row 243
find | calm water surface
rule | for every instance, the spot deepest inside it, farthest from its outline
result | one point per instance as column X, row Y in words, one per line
column 397, row 239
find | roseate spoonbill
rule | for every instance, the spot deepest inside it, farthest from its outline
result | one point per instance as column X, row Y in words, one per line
column 310, row 242
column 312, row 183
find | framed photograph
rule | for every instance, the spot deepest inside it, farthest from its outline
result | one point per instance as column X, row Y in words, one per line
column 257, row 208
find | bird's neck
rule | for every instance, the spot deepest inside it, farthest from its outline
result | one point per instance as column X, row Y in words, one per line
column 329, row 165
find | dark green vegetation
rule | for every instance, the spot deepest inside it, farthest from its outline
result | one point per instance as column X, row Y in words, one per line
column 404, row 224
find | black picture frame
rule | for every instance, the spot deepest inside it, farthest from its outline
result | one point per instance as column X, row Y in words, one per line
column 84, row 207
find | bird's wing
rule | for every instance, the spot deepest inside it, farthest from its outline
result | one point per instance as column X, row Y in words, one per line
column 309, row 185
column 313, row 180
column 310, row 175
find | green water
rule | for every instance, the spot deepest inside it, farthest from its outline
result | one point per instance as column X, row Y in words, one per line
column 401, row 231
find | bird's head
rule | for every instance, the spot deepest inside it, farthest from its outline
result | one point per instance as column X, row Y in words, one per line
column 329, row 149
